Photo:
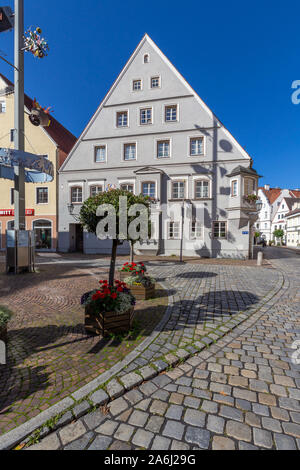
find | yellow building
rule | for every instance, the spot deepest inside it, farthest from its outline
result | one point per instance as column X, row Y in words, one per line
column 40, row 198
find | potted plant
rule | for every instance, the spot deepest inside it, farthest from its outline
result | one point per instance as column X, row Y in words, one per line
column 5, row 316
column 108, row 309
column 129, row 269
column 141, row 286
column 251, row 198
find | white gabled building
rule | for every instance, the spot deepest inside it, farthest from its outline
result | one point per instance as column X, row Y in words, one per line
column 293, row 224
column 153, row 134
column 276, row 204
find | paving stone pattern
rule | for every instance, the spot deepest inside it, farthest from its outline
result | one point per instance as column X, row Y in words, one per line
column 241, row 392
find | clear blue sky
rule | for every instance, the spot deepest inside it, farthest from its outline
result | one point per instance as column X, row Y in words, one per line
column 240, row 57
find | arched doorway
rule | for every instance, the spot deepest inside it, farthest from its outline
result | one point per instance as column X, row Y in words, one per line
column 43, row 234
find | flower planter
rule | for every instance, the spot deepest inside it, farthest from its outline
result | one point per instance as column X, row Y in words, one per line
column 141, row 292
column 123, row 275
column 108, row 322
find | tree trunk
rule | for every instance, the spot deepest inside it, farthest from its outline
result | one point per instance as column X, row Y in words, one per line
column 131, row 252
column 113, row 262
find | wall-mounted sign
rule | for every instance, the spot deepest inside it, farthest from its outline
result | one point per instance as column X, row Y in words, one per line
column 245, row 233
column 11, row 212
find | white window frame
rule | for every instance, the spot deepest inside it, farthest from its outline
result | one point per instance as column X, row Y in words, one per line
column 144, row 56
column 123, row 183
column 178, row 224
column 130, row 159
column 36, row 196
column 157, row 141
column 154, row 77
column 2, row 106
column 76, row 186
column 198, row 229
column 237, row 188
column 116, row 119
column 135, row 80
column 127, row 181
column 198, row 180
column 171, row 105
column 149, row 182
column 195, row 137
column 95, row 149
column 145, row 108
column 97, row 185
column 213, row 229
column 179, row 180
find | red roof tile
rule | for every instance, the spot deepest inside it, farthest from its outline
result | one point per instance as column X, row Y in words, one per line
column 272, row 194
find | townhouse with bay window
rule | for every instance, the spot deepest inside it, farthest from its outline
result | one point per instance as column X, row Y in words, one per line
column 153, row 134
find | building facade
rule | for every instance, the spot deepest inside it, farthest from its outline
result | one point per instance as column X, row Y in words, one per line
column 293, row 225
column 276, row 204
column 41, row 198
column 153, row 134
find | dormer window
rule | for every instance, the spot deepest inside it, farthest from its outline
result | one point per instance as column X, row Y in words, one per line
column 146, row 59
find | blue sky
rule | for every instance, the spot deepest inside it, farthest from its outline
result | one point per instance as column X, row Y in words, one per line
column 241, row 58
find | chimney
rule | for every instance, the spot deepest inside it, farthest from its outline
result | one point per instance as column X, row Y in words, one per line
column 267, row 187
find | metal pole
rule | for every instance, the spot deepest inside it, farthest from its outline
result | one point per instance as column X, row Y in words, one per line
column 182, row 231
column 19, row 173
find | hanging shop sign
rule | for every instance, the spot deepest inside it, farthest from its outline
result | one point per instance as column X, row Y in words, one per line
column 38, row 169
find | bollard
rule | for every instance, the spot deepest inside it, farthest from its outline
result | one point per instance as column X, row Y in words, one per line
column 260, row 257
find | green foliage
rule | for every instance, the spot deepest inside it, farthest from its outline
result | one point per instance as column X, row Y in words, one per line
column 139, row 279
column 89, row 219
column 5, row 316
column 279, row 233
column 257, row 234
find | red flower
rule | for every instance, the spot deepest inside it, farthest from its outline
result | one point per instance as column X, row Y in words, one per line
column 114, row 295
column 120, row 289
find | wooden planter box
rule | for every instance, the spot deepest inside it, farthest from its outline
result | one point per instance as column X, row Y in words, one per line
column 142, row 293
column 108, row 322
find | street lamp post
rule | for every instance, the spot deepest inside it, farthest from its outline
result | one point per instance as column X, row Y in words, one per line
column 19, row 171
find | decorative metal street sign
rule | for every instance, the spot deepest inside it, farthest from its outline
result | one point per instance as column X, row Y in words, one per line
column 42, row 170
column 6, row 19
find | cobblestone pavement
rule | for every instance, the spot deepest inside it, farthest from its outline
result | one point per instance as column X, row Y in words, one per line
column 242, row 392
column 49, row 353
